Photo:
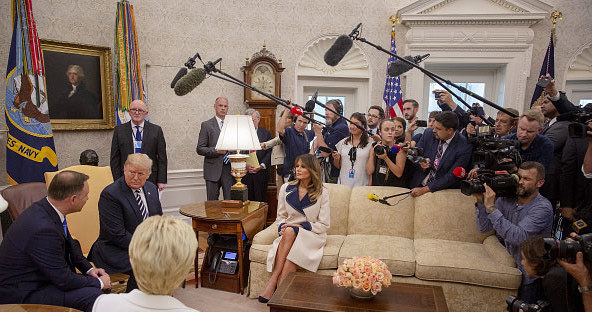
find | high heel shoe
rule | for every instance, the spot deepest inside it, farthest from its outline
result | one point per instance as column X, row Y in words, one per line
column 262, row 299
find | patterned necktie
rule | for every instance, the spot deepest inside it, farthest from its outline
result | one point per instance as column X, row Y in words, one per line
column 143, row 210
column 436, row 164
column 226, row 159
column 138, row 139
column 65, row 225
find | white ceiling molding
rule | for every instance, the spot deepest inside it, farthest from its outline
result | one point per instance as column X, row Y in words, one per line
column 474, row 32
column 474, row 12
column 583, row 60
column 312, row 63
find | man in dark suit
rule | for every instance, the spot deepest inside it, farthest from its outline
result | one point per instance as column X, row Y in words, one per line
column 448, row 149
column 258, row 177
column 38, row 256
column 139, row 136
column 123, row 205
column 216, row 165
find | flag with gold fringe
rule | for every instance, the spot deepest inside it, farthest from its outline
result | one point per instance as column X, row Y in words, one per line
column 548, row 67
column 129, row 85
column 30, row 150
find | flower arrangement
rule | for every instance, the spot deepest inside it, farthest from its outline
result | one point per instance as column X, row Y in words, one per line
column 363, row 273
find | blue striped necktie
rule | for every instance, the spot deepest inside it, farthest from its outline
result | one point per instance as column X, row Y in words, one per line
column 138, row 139
column 143, row 210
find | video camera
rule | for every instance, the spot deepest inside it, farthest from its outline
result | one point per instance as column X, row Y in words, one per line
column 503, row 183
column 579, row 119
column 415, row 155
column 568, row 249
column 514, row 305
column 495, row 153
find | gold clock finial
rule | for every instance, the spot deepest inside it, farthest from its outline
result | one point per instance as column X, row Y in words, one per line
column 264, row 45
column 556, row 15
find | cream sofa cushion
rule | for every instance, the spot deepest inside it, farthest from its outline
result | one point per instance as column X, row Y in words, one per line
column 339, row 201
column 498, row 252
column 447, row 214
column 444, row 260
column 258, row 252
column 395, row 252
column 368, row 217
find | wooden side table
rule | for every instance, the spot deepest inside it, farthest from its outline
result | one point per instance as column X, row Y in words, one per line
column 212, row 218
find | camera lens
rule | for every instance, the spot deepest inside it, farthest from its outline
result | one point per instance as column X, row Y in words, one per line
column 378, row 149
column 561, row 249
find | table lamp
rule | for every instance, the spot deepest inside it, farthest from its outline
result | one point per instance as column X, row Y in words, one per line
column 238, row 133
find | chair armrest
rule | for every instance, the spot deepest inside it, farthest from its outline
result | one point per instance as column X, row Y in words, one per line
column 267, row 236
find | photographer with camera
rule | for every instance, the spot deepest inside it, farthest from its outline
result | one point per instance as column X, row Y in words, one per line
column 446, row 103
column 448, row 149
column 384, row 167
column 296, row 139
column 476, row 115
column 516, row 219
column 559, row 99
column 533, row 146
column 328, row 137
column 579, row 268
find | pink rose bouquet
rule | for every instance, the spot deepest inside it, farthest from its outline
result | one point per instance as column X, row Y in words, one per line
column 365, row 273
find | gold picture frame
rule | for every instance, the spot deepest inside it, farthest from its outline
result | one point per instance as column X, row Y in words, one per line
column 79, row 84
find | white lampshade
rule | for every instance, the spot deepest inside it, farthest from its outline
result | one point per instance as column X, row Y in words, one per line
column 238, row 133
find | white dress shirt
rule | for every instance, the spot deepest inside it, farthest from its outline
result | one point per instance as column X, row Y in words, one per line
column 138, row 301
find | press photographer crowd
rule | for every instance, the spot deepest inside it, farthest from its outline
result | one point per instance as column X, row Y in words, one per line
column 531, row 175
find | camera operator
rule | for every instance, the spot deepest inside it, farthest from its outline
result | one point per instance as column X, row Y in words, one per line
column 533, row 146
column 448, row 149
column 505, row 124
column 335, row 131
column 557, row 287
column 581, row 272
column 559, row 99
column 515, row 219
column 388, row 168
column 296, row 141
column 446, row 103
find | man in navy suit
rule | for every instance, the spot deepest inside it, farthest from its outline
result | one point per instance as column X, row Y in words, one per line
column 38, row 257
column 258, row 177
column 123, row 205
column 448, row 149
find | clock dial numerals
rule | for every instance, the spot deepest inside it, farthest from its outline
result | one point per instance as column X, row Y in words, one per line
column 263, row 79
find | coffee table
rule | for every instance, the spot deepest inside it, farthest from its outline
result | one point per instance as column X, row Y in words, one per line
column 313, row 292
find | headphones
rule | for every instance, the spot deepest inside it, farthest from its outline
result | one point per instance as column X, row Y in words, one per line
column 337, row 105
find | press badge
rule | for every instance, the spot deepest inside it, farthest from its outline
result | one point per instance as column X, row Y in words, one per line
column 352, row 172
column 382, row 170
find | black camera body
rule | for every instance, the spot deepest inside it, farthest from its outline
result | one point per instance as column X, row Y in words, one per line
column 579, row 119
column 514, row 305
column 502, row 183
column 379, row 149
column 568, row 249
column 495, row 153
column 415, row 155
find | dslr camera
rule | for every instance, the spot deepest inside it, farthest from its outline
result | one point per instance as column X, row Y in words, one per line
column 568, row 249
column 514, row 305
column 579, row 119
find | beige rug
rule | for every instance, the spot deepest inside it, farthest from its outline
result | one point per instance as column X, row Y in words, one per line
column 211, row 300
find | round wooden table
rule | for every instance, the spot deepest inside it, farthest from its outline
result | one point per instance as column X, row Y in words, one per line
column 34, row 308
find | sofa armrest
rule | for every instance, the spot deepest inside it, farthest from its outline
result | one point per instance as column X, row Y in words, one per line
column 497, row 251
column 267, row 236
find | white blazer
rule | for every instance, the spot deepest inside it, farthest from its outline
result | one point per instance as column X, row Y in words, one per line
column 138, row 301
column 307, row 250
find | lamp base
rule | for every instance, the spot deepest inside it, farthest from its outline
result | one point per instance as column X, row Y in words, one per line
column 239, row 194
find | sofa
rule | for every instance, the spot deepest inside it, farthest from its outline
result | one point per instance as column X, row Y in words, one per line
column 431, row 239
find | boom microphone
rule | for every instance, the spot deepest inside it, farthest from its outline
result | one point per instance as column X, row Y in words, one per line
column 190, row 81
column 211, row 66
column 182, row 72
column 338, row 50
column 398, row 67
column 310, row 104
column 459, row 172
column 296, row 111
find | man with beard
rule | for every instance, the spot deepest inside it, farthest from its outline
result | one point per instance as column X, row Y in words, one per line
column 335, row 131
column 516, row 219
column 374, row 117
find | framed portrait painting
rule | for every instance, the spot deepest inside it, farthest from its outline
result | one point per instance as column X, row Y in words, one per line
column 79, row 85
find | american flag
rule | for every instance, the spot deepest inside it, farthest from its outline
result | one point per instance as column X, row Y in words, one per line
column 392, row 96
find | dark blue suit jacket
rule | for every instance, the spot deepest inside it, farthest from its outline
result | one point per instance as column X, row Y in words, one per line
column 458, row 154
column 36, row 253
column 119, row 216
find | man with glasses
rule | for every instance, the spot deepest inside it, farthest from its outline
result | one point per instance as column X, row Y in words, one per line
column 374, row 117
column 123, row 205
column 140, row 136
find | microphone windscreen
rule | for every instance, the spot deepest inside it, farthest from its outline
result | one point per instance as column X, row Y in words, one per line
column 459, row 172
column 309, row 106
column 398, row 67
column 338, row 50
column 395, row 149
column 182, row 72
column 190, row 81
column 296, row 111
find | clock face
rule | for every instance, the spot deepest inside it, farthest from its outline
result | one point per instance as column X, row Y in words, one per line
column 263, row 79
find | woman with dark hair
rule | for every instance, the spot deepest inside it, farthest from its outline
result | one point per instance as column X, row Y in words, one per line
column 303, row 217
column 352, row 154
column 400, row 125
column 388, row 168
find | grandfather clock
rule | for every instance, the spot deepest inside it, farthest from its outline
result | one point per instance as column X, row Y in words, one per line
column 264, row 72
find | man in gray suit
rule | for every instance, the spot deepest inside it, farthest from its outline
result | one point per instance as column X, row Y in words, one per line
column 216, row 166
column 557, row 132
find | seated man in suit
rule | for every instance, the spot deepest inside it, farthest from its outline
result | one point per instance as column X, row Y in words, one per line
column 123, row 205
column 448, row 149
column 161, row 253
column 38, row 257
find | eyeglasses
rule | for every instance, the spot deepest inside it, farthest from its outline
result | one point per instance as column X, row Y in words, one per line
column 373, row 116
column 137, row 110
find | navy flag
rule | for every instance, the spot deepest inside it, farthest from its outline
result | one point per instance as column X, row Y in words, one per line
column 547, row 68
